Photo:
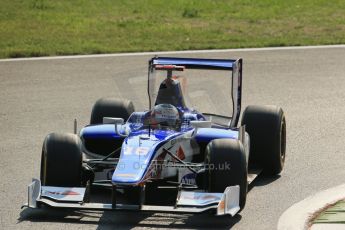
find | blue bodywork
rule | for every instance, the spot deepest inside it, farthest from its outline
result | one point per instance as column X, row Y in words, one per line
column 137, row 152
column 136, row 155
column 142, row 144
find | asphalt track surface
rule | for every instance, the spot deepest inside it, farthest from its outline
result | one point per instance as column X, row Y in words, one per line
column 43, row 96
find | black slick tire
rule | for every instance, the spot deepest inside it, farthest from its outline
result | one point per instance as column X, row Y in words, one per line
column 111, row 107
column 266, row 127
column 226, row 166
column 61, row 160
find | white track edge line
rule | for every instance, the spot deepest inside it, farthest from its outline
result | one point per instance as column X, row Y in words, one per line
column 172, row 52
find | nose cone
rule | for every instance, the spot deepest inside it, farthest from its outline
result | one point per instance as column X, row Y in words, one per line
column 130, row 170
column 135, row 159
column 137, row 153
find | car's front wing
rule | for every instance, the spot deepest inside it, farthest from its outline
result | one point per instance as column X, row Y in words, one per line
column 226, row 203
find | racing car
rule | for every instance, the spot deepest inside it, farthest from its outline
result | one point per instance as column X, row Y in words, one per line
column 171, row 157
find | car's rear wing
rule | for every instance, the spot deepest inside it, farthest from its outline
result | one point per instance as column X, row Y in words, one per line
column 234, row 65
column 196, row 63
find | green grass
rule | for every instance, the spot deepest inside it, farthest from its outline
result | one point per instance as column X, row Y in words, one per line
column 334, row 214
column 51, row 27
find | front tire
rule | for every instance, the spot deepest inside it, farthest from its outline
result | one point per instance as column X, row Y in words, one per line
column 266, row 127
column 107, row 107
column 111, row 107
column 61, row 161
column 219, row 154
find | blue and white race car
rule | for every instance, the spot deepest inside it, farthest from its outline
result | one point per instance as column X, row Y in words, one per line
column 171, row 157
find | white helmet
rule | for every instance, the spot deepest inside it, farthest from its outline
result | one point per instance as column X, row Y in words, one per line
column 166, row 115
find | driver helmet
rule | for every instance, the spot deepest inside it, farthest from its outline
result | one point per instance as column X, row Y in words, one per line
column 165, row 115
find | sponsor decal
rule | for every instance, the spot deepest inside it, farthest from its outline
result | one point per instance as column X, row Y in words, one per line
column 221, row 205
column 188, row 178
column 74, row 194
column 155, row 169
column 64, row 193
column 142, row 151
column 125, row 175
column 180, row 153
column 201, row 198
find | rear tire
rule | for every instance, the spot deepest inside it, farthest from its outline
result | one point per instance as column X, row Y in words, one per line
column 61, row 161
column 266, row 127
column 219, row 154
column 111, row 107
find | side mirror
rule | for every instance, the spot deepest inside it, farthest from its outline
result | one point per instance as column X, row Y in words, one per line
column 113, row 120
column 200, row 124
